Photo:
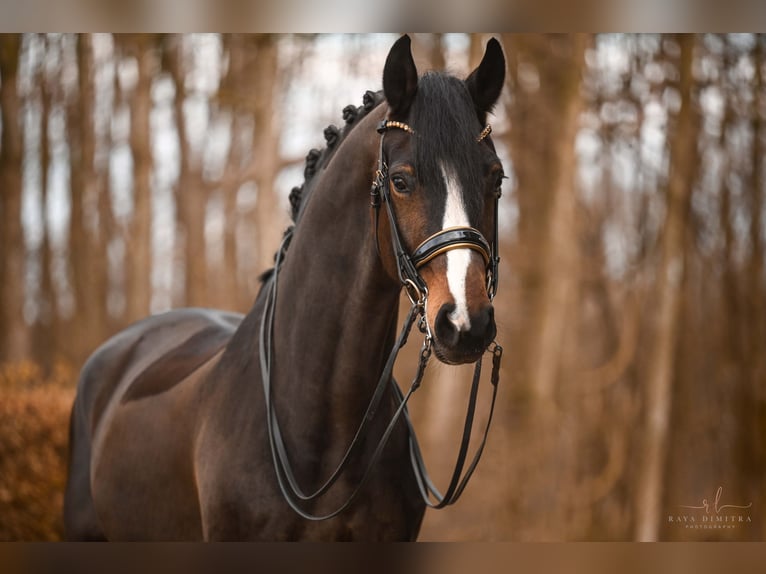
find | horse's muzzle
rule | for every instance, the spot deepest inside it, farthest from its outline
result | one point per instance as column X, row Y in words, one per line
column 463, row 343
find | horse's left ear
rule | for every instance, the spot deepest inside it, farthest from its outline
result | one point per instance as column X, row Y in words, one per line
column 400, row 77
column 486, row 82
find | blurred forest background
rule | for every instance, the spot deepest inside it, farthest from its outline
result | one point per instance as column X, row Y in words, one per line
column 144, row 172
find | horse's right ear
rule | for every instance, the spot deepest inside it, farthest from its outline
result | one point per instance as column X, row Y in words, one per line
column 400, row 77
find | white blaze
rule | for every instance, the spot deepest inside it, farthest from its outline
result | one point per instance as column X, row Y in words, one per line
column 457, row 259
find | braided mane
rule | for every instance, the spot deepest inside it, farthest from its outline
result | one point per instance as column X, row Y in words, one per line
column 317, row 159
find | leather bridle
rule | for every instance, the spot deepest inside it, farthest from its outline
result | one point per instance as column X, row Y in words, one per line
column 462, row 237
column 408, row 270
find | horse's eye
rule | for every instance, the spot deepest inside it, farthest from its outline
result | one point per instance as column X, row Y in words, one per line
column 400, row 184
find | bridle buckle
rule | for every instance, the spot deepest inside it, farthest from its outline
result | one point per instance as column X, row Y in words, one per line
column 417, row 295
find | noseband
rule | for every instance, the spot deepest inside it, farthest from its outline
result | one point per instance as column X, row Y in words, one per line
column 461, row 237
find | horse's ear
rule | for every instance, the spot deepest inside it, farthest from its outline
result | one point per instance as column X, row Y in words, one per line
column 486, row 82
column 400, row 77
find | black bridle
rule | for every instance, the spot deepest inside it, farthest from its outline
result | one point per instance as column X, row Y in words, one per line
column 462, row 237
column 417, row 291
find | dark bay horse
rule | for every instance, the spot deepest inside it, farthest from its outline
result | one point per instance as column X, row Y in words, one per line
column 179, row 420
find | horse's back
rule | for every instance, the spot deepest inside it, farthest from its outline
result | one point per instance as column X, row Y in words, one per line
column 151, row 358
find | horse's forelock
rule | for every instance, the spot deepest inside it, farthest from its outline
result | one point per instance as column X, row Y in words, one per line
column 445, row 120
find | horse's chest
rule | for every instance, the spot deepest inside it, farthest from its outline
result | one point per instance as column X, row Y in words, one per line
column 247, row 505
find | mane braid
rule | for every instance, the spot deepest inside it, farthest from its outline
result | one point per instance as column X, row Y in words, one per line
column 316, row 159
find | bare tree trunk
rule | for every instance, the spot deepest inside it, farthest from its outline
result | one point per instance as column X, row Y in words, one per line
column 545, row 73
column 107, row 231
column 47, row 325
column 139, row 246
column 233, row 86
column 270, row 217
column 230, row 291
column 87, row 253
column 557, row 256
column 100, row 202
column 730, row 315
column 78, row 244
column 533, row 114
column 670, row 273
column 14, row 345
column 757, row 287
column 190, row 194
column 754, row 456
column 756, row 268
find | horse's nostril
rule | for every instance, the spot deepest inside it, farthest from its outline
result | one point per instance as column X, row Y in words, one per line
column 446, row 330
column 456, row 343
column 482, row 321
column 476, row 332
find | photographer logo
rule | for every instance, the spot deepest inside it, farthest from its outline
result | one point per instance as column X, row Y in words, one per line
column 713, row 515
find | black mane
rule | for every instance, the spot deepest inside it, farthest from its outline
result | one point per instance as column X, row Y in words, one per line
column 317, row 159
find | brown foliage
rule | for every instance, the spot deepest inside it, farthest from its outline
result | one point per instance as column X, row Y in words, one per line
column 34, row 422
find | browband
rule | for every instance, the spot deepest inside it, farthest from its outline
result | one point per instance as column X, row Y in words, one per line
column 385, row 124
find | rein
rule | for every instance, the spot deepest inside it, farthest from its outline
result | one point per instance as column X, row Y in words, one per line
column 417, row 292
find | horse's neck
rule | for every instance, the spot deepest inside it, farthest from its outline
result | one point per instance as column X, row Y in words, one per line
column 336, row 308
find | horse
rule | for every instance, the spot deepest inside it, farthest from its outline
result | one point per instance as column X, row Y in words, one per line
column 200, row 424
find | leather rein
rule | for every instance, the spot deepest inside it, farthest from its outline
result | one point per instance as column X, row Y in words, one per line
column 417, row 292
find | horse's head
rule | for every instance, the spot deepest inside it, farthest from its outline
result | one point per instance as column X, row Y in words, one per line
column 443, row 173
